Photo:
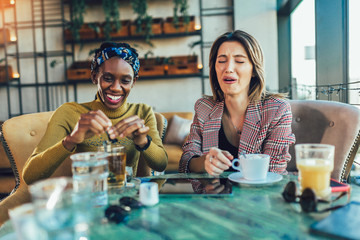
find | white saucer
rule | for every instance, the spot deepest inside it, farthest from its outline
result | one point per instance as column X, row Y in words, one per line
column 271, row 178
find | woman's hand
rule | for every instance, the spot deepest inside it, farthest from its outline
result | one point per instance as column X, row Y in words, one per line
column 89, row 124
column 214, row 187
column 217, row 161
column 132, row 127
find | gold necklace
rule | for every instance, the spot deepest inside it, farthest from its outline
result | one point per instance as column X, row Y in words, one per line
column 238, row 131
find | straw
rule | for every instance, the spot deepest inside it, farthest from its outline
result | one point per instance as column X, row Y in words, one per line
column 111, row 140
column 105, row 145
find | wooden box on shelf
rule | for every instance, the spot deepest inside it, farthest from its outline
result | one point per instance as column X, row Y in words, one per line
column 8, row 3
column 79, row 71
column 7, row 35
column 122, row 32
column 68, row 34
column 3, row 77
column 180, row 27
column 87, row 31
column 183, row 65
column 156, row 27
column 151, row 67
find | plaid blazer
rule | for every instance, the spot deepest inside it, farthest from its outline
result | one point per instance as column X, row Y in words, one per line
column 266, row 129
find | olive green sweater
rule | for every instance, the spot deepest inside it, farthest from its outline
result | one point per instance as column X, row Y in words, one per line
column 50, row 152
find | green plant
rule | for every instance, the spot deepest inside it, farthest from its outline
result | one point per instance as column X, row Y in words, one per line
column 181, row 6
column 112, row 16
column 154, row 60
column 95, row 27
column 143, row 20
column 77, row 12
column 193, row 44
column 55, row 62
column 148, row 53
column 92, row 51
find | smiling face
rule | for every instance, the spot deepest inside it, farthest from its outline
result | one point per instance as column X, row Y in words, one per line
column 233, row 68
column 114, row 81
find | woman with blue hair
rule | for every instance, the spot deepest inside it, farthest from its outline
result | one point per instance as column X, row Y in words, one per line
column 76, row 127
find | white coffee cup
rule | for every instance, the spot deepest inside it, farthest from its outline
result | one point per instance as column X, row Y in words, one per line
column 253, row 167
column 149, row 193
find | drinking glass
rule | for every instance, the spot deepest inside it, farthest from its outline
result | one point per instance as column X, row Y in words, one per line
column 129, row 174
column 315, row 163
column 24, row 223
column 116, row 157
column 90, row 172
column 156, row 173
column 59, row 210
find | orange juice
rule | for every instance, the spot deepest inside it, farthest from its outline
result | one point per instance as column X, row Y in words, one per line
column 315, row 174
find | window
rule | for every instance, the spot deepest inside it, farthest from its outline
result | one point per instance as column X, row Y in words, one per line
column 354, row 52
column 303, row 66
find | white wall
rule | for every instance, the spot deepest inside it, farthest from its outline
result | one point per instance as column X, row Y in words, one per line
column 166, row 94
column 259, row 19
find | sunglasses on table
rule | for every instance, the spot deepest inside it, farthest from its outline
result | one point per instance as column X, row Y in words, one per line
column 120, row 213
column 307, row 200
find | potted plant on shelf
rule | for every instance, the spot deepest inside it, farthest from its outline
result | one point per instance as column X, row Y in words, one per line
column 181, row 21
column 7, row 35
column 123, row 31
column 179, row 65
column 77, row 12
column 151, row 66
column 3, row 69
column 182, row 7
column 112, row 23
column 79, row 70
column 143, row 21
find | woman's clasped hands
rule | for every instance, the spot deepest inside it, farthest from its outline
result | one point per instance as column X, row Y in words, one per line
column 96, row 123
column 132, row 127
column 217, row 161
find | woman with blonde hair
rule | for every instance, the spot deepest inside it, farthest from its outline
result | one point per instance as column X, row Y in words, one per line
column 241, row 116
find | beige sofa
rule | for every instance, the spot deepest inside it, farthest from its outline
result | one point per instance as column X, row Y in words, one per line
column 175, row 137
column 7, row 178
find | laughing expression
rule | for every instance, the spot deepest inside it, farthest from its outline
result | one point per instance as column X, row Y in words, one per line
column 233, row 68
column 114, row 82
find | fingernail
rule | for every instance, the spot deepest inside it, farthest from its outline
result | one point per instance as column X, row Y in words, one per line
column 121, row 135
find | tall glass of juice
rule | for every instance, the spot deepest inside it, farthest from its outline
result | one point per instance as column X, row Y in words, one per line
column 315, row 163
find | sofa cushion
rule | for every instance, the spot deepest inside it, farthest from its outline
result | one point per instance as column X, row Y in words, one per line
column 7, row 183
column 169, row 115
column 174, row 154
column 177, row 131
